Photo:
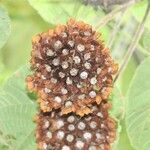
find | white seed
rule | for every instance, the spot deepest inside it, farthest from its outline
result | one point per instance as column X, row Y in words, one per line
column 75, row 32
column 65, row 65
column 68, row 81
column 107, row 136
column 71, row 43
column 77, row 59
column 56, row 61
column 61, row 74
column 99, row 70
column 88, row 118
column 92, row 147
column 104, row 79
column 70, row 138
column 99, row 114
column 46, row 90
column 65, row 52
column 87, row 56
column 94, row 108
column 71, row 127
column 46, row 103
column 59, row 124
column 57, row 99
column 60, row 135
column 82, row 96
column 93, row 124
column 83, row 75
column 43, row 77
column 93, row 80
column 87, row 65
column 64, row 34
column 64, row 91
column 38, row 54
column 46, row 124
column 46, row 41
column 58, row 45
column 53, row 80
column 102, row 147
column 48, row 68
column 49, row 134
column 52, row 114
column 81, row 125
column 80, row 47
column 87, row 33
column 92, row 94
column 97, row 59
column 71, row 119
column 102, row 125
column 87, row 135
column 79, row 86
column 37, row 65
column 74, row 71
column 92, row 47
column 99, row 136
column 103, row 90
column 109, row 70
column 65, row 147
column 49, row 52
column 79, row 144
column 68, row 104
column 44, row 146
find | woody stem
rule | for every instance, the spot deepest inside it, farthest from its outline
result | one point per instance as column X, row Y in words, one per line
column 132, row 47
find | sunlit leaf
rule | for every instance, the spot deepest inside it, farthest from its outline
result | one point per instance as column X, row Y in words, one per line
column 138, row 108
column 17, row 112
column 146, row 41
column 117, row 101
column 54, row 11
column 4, row 26
column 58, row 11
column 138, row 11
column 117, row 112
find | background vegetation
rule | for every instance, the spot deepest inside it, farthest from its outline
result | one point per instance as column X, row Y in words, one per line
column 125, row 29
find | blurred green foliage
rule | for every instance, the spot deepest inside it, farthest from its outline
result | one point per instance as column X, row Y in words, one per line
column 27, row 18
column 138, row 107
column 24, row 24
column 4, row 26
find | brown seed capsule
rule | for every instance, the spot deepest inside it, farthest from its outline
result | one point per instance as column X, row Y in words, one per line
column 94, row 131
column 71, row 57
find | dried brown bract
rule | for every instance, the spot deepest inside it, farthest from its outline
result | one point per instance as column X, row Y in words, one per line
column 94, row 131
column 72, row 68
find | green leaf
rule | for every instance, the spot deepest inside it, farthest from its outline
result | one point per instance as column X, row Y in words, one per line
column 117, row 101
column 138, row 108
column 138, row 10
column 17, row 112
column 59, row 11
column 128, row 75
column 4, row 27
column 25, row 23
column 146, row 41
column 123, row 141
column 53, row 11
column 117, row 112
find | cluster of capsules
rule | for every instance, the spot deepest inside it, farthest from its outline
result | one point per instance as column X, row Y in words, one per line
column 73, row 78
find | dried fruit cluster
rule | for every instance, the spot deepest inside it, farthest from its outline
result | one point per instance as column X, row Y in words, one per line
column 72, row 76
column 72, row 69
column 70, row 132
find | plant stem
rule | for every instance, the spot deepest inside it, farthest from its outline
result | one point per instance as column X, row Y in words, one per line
column 115, row 30
column 134, row 43
column 112, row 14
